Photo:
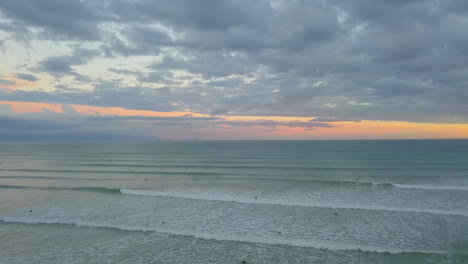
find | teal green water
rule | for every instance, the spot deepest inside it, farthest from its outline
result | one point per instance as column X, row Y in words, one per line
column 228, row 202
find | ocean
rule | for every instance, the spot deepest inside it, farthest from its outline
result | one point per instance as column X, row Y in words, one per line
column 389, row 201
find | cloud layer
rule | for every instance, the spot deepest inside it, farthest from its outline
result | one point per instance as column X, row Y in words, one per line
column 66, row 123
column 336, row 60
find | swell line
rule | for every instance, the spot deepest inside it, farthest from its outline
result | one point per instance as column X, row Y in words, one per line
column 229, row 237
column 122, row 172
column 267, row 201
column 89, row 189
column 240, row 199
column 237, row 167
column 255, row 177
column 65, row 178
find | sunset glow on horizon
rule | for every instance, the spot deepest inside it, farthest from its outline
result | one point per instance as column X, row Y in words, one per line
column 364, row 129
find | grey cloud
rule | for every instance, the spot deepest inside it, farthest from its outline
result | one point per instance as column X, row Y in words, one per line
column 75, row 18
column 273, row 124
column 209, row 64
column 72, row 136
column 18, row 31
column 27, row 77
column 70, row 125
column 69, row 110
column 21, row 124
column 334, row 119
column 6, row 82
column 124, row 72
column 63, row 64
column 390, row 87
column 219, row 111
column 155, row 118
column 57, row 64
column 105, row 94
column 229, row 24
column 161, row 77
column 140, row 35
column 62, row 89
column 5, row 109
column 40, row 129
column 208, row 14
column 137, row 40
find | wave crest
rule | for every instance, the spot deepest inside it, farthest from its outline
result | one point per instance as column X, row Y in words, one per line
column 322, row 245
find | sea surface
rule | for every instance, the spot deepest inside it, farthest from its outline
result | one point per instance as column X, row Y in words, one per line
column 395, row 201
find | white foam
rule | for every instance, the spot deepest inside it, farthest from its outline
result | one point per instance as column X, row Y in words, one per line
column 430, row 187
column 323, row 245
column 225, row 196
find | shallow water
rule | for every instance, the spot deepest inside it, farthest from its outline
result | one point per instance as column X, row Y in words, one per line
column 228, row 202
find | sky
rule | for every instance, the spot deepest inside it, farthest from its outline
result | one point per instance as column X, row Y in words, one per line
column 233, row 69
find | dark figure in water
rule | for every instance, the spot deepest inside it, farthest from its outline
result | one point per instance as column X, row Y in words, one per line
column 255, row 197
column 30, row 210
column 244, row 262
column 336, row 213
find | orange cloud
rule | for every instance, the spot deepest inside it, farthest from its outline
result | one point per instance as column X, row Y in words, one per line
column 29, row 107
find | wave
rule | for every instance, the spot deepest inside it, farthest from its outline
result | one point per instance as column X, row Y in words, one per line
column 123, row 172
column 357, row 183
column 89, row 189
column 65, row 178
column 221, row 196
column 285, row 202
column 254, row 177
column 430, row 187
column 251, row 167
column 407, row 186
column 322, row 245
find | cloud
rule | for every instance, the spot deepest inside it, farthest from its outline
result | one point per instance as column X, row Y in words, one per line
column 219, row 111
column 5, row 109
column 6, row 82
column 334, row 119
column 274, row 124
column 71, row 19
column 26, row 77
column 70, row 125
column 18, row 31
column 67, row 109
column 23, row 125
column 63, row 64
